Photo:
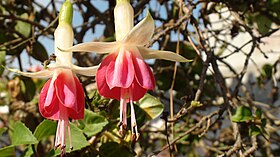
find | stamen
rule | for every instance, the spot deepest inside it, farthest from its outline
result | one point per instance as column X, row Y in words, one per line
column 135, row 135
column 57, row 136
column 63, row 131
column 63, row 151
column 124, row 115
column 70, row 137
column 121, row 113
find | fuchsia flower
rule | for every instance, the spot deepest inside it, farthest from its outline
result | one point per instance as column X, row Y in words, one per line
column 123, row 74
column 62, row 96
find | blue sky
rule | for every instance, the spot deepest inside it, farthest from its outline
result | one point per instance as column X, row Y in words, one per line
column 101, row 5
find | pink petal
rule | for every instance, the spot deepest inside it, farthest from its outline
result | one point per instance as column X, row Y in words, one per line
column 50, row 111
column 50, row 92
column 101, row 82
column 137, row 91
column 121, row 73
column 143, row 73
column 66, row 89
column 80, row 102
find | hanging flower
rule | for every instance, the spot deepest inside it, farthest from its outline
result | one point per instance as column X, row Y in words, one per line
column 123, row 74
column 62, row 96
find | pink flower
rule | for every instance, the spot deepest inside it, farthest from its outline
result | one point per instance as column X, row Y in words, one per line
column 123, row 74
column 62, row 96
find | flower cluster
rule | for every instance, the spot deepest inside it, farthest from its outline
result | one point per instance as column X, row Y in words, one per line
column 122, row 75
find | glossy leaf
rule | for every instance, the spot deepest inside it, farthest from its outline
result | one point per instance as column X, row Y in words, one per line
column 45, row 129
column 151, row 106
column 22, row 135
column 242, row 114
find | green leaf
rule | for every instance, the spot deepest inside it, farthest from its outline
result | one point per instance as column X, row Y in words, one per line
column 242, row 114
column 28, row 88
column 2, row 130
column 93, row 123
column 263, row 23
column 7, row 151
column 258, row 113
column 266, row 70
column 112, row 149
column 28, row 152
column 39, row 52
column 2, row 61
column 196, row 104
column 23, row 27
column 45, row 129
column 254, row 130
column 151, row 106
column 22, row 135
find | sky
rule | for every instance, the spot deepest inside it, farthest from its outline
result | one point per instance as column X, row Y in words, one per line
column 101, row 5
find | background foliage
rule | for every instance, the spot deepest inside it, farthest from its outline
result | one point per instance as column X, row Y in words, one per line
column 197, row 109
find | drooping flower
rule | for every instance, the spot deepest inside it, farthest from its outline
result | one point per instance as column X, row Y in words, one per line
column 123, row 74
column 62, row 96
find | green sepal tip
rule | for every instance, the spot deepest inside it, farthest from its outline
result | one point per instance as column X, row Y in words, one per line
column 66, row 13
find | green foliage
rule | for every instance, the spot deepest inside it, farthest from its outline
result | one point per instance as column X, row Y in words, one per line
column 112, row 149
column 7, row 151
column 2, row 61
column 23, row 27
column 93, row 123
column 78, row 139
column 22, row 135
column 45, row 129
column 39, row 52
column 242, row 114
column 151, row 106
column 2, row 130
column 28, row 88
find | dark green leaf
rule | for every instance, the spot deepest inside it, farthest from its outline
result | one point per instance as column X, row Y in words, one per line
column 28, row 88
column 94, row 123
column 39, row 52
column 266, row 70
column 254, row 130
column 22, row 135
column 258, row 113
column 263, row 23
column 151, row 105
column 112, row 149
column 45, row 129
column 7, row 151
column 242, row 114
column 2, row 61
